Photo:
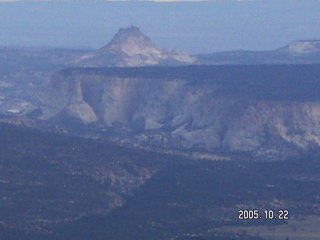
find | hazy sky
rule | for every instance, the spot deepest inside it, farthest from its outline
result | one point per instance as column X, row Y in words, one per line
column 191, row 26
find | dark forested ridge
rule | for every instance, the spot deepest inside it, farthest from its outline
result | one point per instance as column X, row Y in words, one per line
column 196, row 198
column 48, row 179
column 60, row 187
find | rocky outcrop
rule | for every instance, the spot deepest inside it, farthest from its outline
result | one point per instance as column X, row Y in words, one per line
column 255, row 109
column 130, row 47
column 303, row 47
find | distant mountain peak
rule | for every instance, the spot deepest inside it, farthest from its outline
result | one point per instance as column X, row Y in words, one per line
column 124, row 34
column 130, row 47
column 132, row 41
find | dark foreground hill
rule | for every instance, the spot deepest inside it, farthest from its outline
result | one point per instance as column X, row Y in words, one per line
column 66, row 188
column 49, row 180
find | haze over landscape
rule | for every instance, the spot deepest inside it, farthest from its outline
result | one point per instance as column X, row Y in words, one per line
column 195, row 27
column 160, row 120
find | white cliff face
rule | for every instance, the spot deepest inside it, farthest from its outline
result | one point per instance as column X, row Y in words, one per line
column 304, row 47
column 195, row 113
column 296, row 123
column 130, row 47
column 83, row 111
column 181, row 56
column 118, row 99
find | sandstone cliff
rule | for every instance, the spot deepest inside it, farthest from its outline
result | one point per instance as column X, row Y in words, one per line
column 261, row 109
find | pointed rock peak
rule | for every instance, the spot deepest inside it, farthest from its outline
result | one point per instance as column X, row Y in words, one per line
column 133, row 30
column 129, row 34
column 131, row 42
column 130, row 47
